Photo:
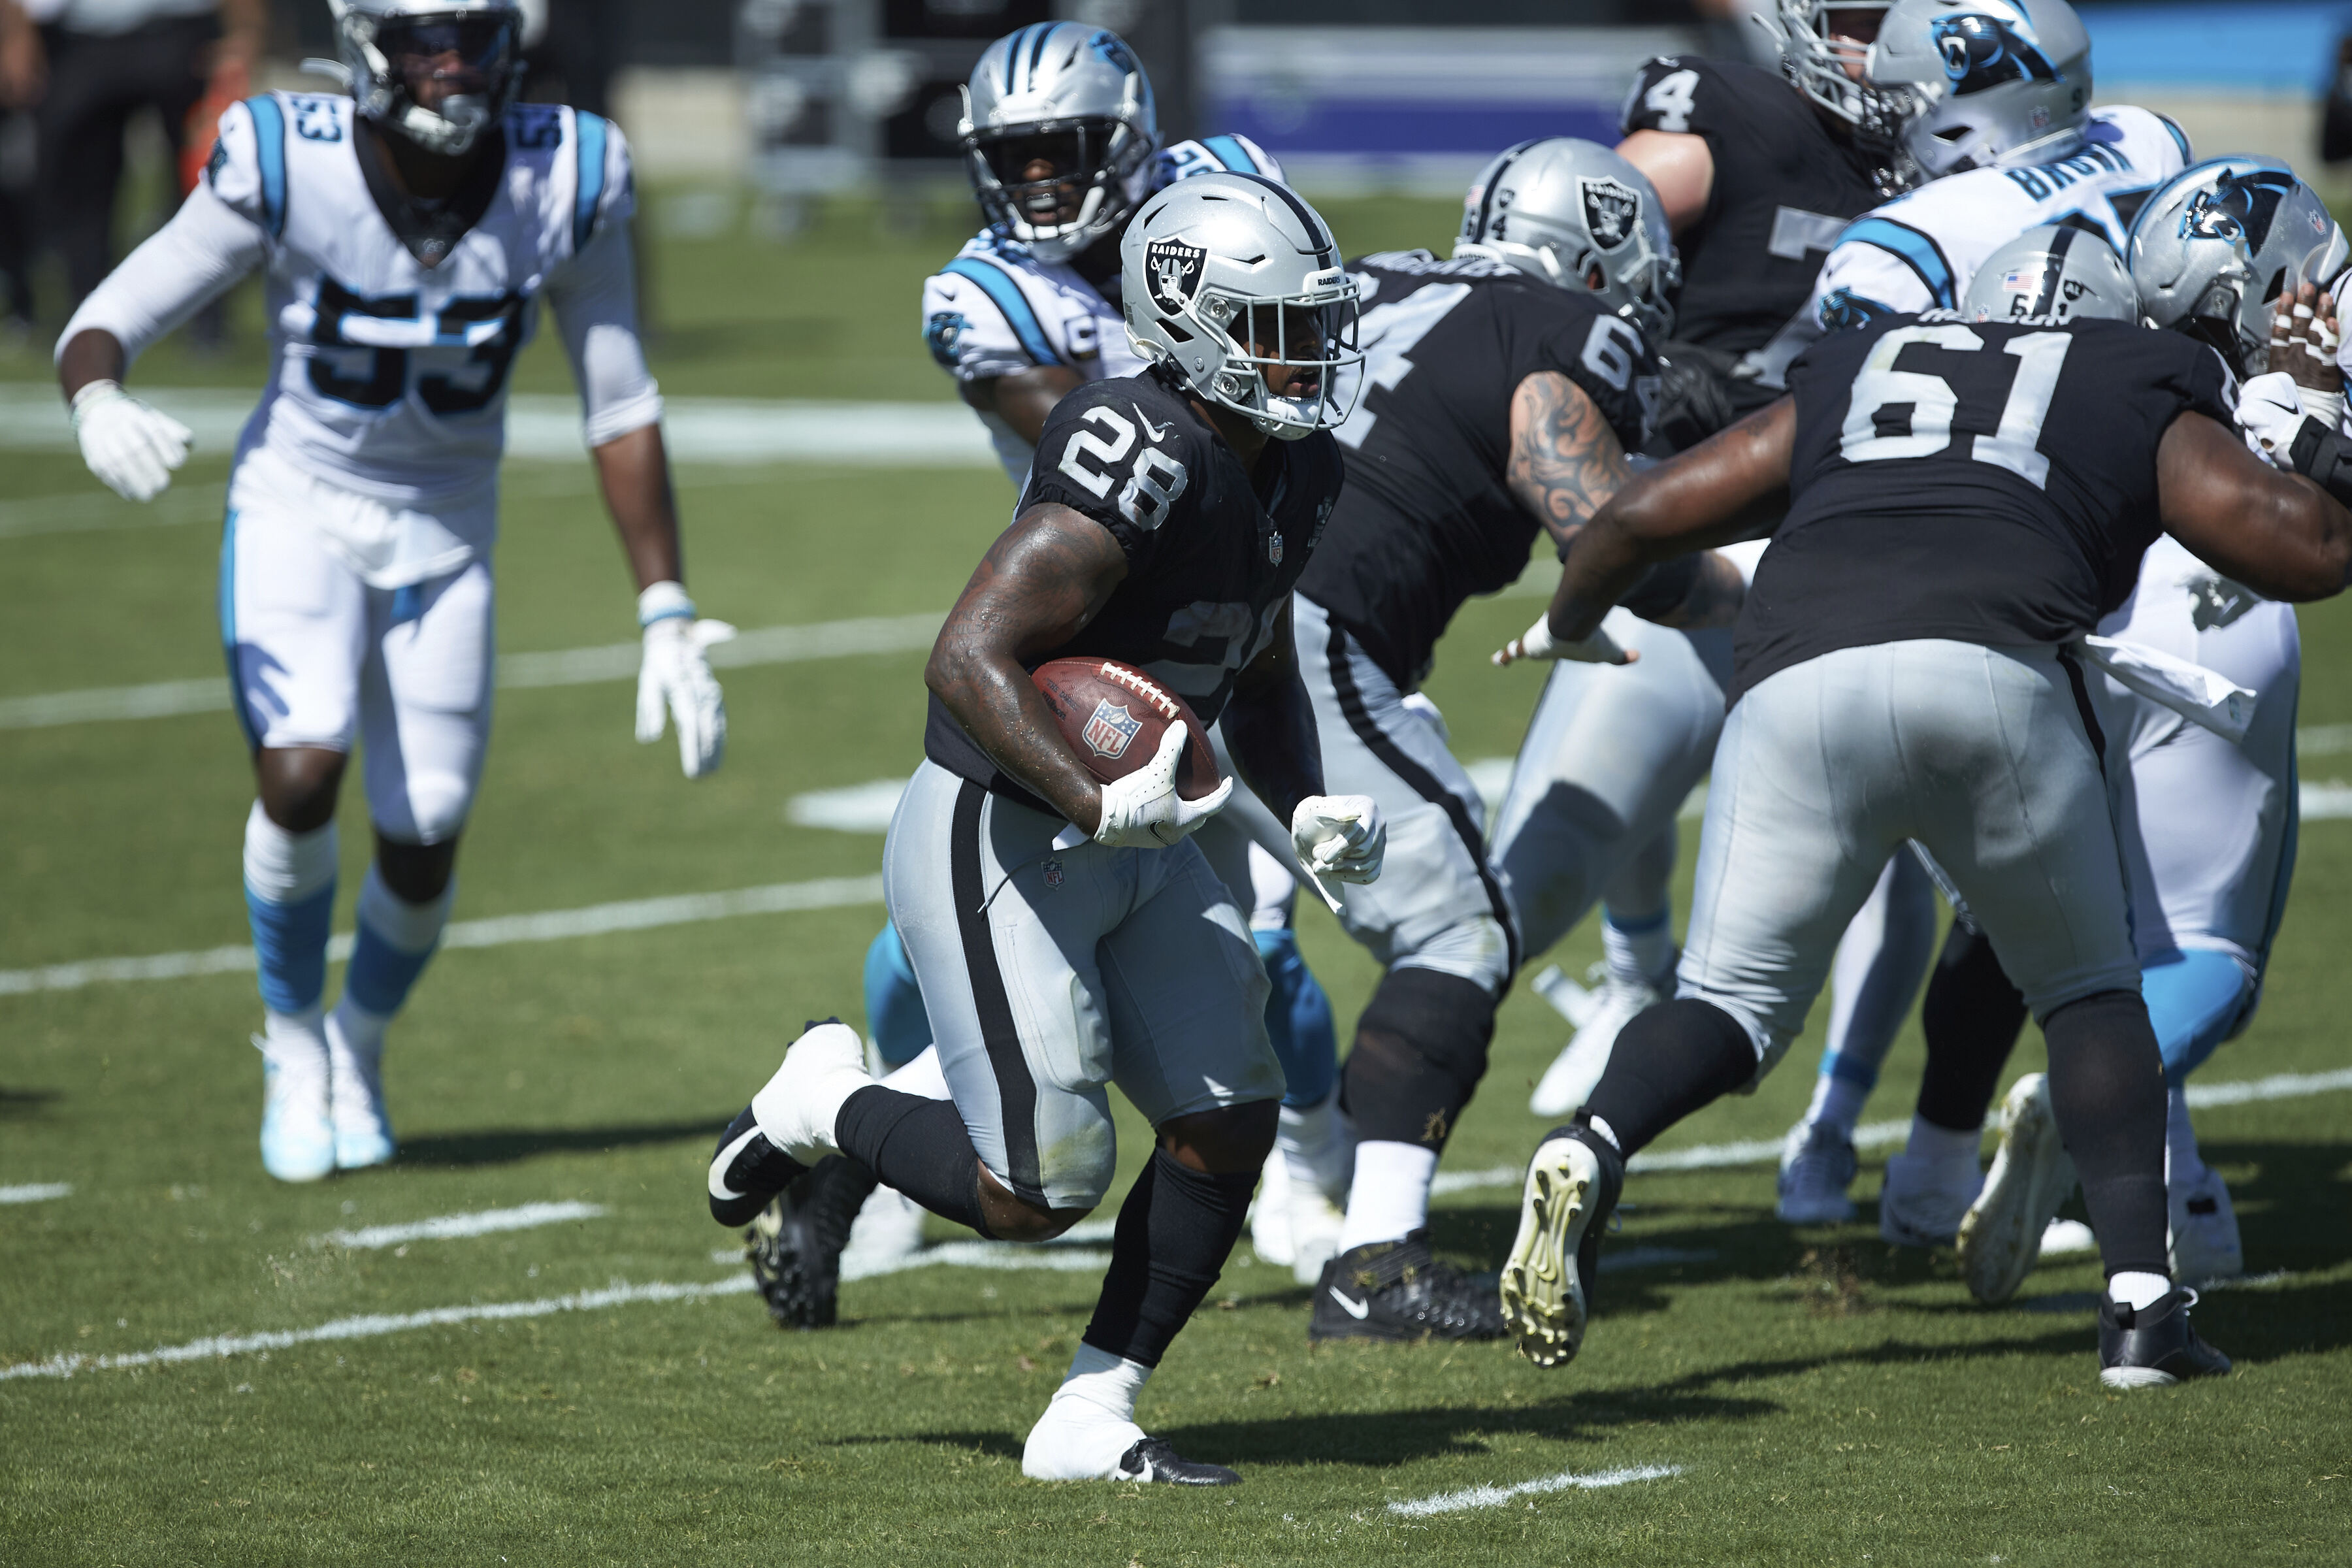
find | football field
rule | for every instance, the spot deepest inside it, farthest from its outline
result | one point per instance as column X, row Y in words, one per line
column 525, row 1342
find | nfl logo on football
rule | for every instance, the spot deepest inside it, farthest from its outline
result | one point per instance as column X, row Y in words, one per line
column 1110, row 729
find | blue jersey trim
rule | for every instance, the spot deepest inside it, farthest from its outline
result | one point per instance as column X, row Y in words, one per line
column 590, row 131
column 1229, row 151
column 2180, row 139
column 269, row 147
column 1913, row 248
column 999, row 285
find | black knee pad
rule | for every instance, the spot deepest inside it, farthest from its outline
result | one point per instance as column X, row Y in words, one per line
column 1420, row 1051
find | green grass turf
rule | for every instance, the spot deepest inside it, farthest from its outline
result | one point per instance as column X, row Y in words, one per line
column 1825, row 1397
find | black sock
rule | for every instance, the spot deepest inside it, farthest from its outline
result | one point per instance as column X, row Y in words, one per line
column 917, row 1145
column 1669, row 1061
column 1971, row 1017
column 2106, row 1088
column 1420, row 1051
column 1174, row 1231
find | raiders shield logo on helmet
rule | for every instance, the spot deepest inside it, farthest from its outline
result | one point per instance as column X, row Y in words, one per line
column 1611, row 209
column 1172, row 270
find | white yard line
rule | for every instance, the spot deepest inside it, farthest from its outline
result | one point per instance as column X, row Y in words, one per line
column 1884, row 1134
column 451, row 1226
column 374, row 1325
column 553, row 925
column 560, row 667
column 1495, row 1496
column 36, row 1192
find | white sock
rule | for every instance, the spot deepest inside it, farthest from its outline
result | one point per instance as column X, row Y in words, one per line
column 286, row 867
column 1941, row 1144
column 295, row 1041
column 1837, row 1103
column 358, row 1031
column 2137, row 1291
column 1606, row 1134
column 921, row 1076
column 1638, row 957
column 1108, row 1382
column 2182, row 1164
column 1389, row 1199
column 1310, row 1146
column 1090, row 1424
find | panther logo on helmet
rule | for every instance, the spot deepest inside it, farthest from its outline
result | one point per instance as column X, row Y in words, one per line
column 1172, row 270
column 1611, row 211
column 1982, row 51
column 2240, row 208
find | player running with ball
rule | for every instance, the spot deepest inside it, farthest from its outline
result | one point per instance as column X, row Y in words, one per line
column 407, row 235
column 1065, row 935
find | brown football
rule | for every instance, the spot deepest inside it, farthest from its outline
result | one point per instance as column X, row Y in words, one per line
column 1113, row 715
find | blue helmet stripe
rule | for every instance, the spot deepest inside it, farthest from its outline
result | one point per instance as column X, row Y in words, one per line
column 1037, row 50
column 589, row 129
column 1013, row 55
column 1911, row 248
column 269, row 146
column 998, row 285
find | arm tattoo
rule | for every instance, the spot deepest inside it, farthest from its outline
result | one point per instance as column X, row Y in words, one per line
column 1565, row 459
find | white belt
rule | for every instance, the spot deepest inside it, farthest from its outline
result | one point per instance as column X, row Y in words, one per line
column 2198, row 694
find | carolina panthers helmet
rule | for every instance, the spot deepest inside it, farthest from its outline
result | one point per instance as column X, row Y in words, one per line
column 1577, row 215
column 1077, row 96
column 474, row 48
column 1822, row 63
column 2051, row 276
column 1995, row 84
column 1223, row 275
column 2218, row 245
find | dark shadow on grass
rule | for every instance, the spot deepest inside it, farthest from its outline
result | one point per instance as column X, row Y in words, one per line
column 998, row 1444
column 504, row 1145
column 18, row 1103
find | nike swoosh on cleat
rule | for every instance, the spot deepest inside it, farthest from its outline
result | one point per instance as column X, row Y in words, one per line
column 1159, row 432
column 1357, row 1310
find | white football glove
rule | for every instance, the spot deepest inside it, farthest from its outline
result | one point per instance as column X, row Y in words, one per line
column 675, row 679
column 129, row 446
column 1340, row 835
column 1537, row 642
column 2270, row 413
column 1143, row 811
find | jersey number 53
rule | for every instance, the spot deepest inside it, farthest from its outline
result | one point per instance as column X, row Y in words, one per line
column 489, row 326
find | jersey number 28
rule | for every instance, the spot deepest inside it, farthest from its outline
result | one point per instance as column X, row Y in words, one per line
column 1912, row 413
column 1152, row 485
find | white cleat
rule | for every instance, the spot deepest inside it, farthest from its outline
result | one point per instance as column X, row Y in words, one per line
column 1293, row 1226
column 1078, row 1440
column 355, row 1101
column 1817, row 1165
column 1547, row 1283
column 2000, row 1237
column 1563, row 1089
column 1921, row 1200
column 797, row 1108
column 2204, row 1231
column 2066, row 1237
column 297, row 1134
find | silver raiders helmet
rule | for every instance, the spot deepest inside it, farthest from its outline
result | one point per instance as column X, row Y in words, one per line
column 2051, row 276
column 1577, row 215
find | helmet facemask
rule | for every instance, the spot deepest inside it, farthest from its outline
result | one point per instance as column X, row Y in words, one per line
column 1091, row 189
column 1311, row 334
column 1826, row 66
column 438, row 78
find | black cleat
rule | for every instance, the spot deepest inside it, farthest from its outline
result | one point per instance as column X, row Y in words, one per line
column 746, row 1171
column 1396, row 1290
column 795, row 1243
column 1573, row 1180
column 2154, row 1347
column 1151, row 1460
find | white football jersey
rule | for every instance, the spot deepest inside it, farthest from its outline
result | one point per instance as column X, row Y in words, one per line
column 996, row 310
column 389, row 376
column 1919, row 252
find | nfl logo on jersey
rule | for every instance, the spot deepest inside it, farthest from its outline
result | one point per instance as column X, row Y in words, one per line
column 1110, row 729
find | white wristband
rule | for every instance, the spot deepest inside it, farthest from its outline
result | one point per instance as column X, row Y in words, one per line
column 663, row 602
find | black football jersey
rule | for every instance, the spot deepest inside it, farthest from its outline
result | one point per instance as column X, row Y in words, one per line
column 1427, row 518
column 1985, row 483
column 1785, row 187
column 1212, row 557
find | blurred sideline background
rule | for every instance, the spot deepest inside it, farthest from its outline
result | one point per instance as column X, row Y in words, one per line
column 798, row 166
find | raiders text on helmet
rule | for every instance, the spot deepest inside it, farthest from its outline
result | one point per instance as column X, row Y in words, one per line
column 1225, row 275
column 1996, row 83
column 1577, row 215
column 2051, row 276
column 1077, row 96
column 471, row 48
column 2220, row 243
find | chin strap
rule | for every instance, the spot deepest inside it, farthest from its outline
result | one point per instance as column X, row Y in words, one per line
column 2324, row 457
